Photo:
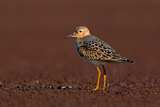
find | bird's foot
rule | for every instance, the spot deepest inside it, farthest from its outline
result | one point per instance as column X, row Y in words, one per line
column 97, row 88
column 104, row 88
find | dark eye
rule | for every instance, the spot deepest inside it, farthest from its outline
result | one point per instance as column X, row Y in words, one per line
column 80, row 31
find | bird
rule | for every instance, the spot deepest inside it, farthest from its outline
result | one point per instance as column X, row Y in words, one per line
column 95, row 51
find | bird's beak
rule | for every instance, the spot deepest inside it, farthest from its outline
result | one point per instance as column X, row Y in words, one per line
column 69, row 36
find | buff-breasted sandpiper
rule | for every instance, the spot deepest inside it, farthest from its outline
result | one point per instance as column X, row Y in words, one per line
column 95, row 51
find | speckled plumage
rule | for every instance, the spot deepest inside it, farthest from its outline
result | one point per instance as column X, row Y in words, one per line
column 92, row 48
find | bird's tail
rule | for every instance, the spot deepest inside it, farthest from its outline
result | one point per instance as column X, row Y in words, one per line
column 127, row 60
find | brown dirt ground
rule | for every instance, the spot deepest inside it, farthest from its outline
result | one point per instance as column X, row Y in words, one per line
column 38, row 67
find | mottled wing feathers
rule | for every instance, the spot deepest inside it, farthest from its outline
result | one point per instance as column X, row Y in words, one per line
column 91, row 47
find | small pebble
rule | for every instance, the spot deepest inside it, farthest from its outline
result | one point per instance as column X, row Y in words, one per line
column 37, row 81
column 59, row 87
column 64, row 88
column 51, row 87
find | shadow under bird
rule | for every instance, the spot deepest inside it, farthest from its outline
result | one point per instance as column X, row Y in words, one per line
column 95, row 51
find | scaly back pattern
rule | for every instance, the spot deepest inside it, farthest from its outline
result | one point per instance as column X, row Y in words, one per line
column 91, row 47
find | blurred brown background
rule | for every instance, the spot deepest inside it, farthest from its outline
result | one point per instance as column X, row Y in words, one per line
column 32, row 45
column 32, row 32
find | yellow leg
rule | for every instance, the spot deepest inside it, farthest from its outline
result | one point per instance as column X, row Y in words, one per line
column 104, row 85
column 99, row 74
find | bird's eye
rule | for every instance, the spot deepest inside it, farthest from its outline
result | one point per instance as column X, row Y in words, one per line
column 80, row 31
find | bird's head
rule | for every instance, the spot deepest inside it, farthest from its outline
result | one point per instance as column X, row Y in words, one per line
column 80, row 32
